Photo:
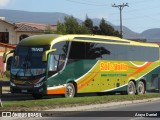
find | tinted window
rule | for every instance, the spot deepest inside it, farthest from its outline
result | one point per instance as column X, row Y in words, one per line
column 130, row 53
column 116, row 52
column 96, row 51
column 81, row 50
column 88, row 50
column 143, row 53
column 62, row 48
column 77, row 50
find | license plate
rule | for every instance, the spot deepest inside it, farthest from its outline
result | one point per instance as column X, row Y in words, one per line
column 24, row 91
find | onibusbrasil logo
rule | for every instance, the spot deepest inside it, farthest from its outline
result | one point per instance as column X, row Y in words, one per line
column 21, row 114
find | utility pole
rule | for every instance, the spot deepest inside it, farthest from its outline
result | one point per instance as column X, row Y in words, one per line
column 121, row 8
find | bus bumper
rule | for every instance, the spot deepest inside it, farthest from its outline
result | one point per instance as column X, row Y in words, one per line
column 28, row 89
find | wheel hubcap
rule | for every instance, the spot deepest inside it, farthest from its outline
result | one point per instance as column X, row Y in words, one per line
column 141, row 88
column 131, row 89
column 69, row 91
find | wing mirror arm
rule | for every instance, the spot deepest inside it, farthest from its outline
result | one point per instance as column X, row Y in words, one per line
column 45, row 54
column 6, row 54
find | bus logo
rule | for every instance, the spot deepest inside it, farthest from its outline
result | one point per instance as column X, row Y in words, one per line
column 37, row 49
column 113, row 66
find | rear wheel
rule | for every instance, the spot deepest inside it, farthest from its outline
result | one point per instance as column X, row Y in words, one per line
column 131, row 88
column 141, row 88
column 70, row 90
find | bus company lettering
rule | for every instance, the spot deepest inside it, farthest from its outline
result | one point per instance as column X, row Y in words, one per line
column 113, row 66
column 37, row 49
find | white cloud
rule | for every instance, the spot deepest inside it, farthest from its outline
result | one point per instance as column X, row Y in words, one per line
column 3, row 3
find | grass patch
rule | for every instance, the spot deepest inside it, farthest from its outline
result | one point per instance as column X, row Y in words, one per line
column 51, row 103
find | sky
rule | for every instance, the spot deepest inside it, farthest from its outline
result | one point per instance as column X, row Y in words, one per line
column 139, row 16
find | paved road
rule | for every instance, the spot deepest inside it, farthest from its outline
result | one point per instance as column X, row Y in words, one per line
column 116, row 111
column 149, row 106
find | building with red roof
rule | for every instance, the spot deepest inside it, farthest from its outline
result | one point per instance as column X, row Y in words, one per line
column 12, row 33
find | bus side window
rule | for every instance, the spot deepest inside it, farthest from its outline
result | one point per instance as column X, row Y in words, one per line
column 53, row 62
column 62, row 59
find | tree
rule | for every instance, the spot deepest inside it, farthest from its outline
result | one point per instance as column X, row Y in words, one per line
column 61, row 28
column 89, row 24
column 71, row 26
column 106, row 29
column 83, row 30
column 96, row 30
column 103, row 27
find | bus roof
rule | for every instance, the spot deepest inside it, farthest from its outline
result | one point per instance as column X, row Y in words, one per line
column 50, row 39
column 38, row 40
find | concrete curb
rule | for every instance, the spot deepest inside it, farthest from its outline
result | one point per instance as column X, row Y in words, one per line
column 111, row 104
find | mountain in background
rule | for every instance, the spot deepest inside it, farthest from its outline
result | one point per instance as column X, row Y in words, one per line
column 152, row 34
column 14, row 16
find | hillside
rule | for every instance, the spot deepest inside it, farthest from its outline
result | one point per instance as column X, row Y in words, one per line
column 35, row 17
column 153, row 35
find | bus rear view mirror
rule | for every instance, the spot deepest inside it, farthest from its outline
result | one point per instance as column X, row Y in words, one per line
column 6, row 54
column 45, row 54
column 8, row 63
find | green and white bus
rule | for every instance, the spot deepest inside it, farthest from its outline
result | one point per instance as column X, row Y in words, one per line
column 72, row 64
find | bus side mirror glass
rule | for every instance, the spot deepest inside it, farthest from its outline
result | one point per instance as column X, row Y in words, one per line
column 45, row 54
column 8, row 63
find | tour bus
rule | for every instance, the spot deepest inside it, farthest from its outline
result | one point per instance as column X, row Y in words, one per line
column 71, row 64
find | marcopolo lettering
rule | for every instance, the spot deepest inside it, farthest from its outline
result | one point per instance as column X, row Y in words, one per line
column 37, row 49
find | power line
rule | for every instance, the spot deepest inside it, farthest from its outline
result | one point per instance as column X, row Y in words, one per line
column 91, row 1
column 143, row 1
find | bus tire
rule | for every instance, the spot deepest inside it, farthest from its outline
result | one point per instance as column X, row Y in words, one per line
column 131, row 90
column 70, row 90
column 141, row 88
column 37, row 96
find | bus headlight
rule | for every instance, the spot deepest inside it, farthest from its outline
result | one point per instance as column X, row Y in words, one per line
column 38, row 84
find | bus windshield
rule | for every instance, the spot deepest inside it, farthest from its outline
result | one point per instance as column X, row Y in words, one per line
column 27, row 61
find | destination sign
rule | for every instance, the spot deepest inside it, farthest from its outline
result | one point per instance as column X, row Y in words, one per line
column 37, row 49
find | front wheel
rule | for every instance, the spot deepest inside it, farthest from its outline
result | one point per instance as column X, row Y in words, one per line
column 131, row 88
column 70, row 90
column 141, row 88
